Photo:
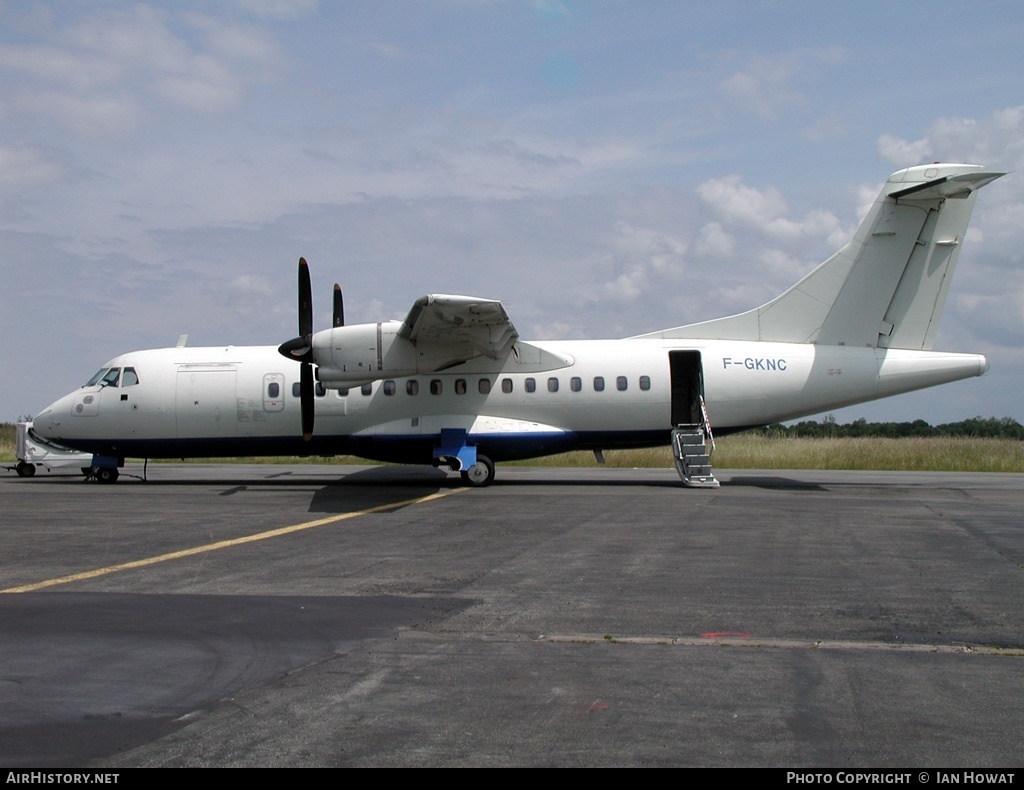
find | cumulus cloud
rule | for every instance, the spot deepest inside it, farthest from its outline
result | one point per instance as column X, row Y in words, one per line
column 765, row 85
column 762, row 88
column 252, row 285
column 92, row 115
column 25, row 165
column 996, row 141
column 276, row 9
column 651, row 248
column 904, row 153
column 714, row 241
column 99, row 74
column 736, row 201
column 764, row 209
column 553, row 8
column 55, row 66
column 639, row 261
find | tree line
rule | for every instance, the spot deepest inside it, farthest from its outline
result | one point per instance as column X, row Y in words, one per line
column 828, row 428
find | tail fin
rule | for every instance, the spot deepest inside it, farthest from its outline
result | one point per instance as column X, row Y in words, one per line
column 887, row 287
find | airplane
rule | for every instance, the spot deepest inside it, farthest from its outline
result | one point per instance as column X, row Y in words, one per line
column 454, row 385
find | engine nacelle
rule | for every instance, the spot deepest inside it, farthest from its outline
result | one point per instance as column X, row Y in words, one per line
column 362, row 352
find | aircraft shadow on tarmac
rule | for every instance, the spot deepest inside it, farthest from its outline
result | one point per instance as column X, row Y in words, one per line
column 411, row 481
column 774, row 482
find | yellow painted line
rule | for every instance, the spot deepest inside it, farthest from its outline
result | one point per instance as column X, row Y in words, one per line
column 224, row 544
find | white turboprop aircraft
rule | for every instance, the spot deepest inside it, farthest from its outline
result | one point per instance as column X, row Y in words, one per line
column 454, row 385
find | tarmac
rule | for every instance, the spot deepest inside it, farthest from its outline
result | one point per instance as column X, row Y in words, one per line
column 386, row 616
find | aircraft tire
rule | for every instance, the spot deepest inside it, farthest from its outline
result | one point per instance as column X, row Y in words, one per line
column 105, row 475
column 26, row 469
column 480, row 474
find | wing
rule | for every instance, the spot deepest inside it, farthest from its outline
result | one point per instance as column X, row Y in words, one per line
column 459, row 327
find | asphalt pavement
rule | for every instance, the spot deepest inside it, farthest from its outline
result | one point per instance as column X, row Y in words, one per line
column 383, row 616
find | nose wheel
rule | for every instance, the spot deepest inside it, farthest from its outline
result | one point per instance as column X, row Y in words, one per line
column 479, row 474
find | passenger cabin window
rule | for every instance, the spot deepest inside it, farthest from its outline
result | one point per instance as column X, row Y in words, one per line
column 576, row 384
column 435, row 386
column 274, row 390
column 598, row 383
column 621, row 383
column 484, row 386
column 367, row 389
column 130, row 378
column 343, row 392
column 531, row 385
column 319, row 390
column 389, row 387
column 460, row 386
column 506, row 385
column 412, row 387
column 552, row 384
column 645, row 383
column 296, row 390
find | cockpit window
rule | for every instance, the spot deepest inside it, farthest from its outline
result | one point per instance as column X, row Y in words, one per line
column 96, row 379
column 108, row 377
column 129, row 378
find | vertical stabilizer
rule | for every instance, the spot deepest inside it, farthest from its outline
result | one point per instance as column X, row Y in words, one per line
column 887, row 287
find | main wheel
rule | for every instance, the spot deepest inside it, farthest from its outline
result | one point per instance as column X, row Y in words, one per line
column 479, row 474
column 107, row 475
column 26, row 469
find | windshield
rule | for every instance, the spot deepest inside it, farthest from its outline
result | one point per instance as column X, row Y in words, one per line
column 105, row 377
column 96, row 379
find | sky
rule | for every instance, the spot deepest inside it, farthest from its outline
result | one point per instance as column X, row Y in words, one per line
column 603, row 168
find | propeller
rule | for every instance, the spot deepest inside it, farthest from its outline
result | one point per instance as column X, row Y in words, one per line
column 339, row 307
column 301, row 349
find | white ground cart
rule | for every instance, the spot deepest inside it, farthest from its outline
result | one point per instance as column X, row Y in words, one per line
column 33, row 451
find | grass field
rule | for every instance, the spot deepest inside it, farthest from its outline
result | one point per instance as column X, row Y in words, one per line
column 755, row 451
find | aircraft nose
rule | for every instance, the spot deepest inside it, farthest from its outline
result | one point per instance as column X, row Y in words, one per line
column 42, row 422
column 47, row 423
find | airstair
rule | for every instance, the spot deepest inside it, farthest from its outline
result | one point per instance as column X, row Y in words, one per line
column 690, row 447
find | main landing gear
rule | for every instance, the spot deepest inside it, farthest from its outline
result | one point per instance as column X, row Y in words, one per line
column 105, row 475
column 101, row 474
column 479, row 474
column 455, row 452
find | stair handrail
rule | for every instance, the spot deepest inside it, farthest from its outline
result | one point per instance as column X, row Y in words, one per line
column 707, row 422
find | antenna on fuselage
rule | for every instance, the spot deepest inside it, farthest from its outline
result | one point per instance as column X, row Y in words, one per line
column 182, row 340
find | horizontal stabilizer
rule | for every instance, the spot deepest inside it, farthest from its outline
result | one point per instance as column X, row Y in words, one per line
column 959, row 186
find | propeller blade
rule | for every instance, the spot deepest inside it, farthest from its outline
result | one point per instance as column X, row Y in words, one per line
column 305, row 300
column 339, row 307
column 306, row 400
column 300, row 349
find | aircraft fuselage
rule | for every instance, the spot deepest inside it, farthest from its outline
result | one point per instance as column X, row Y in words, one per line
column 605, row 394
